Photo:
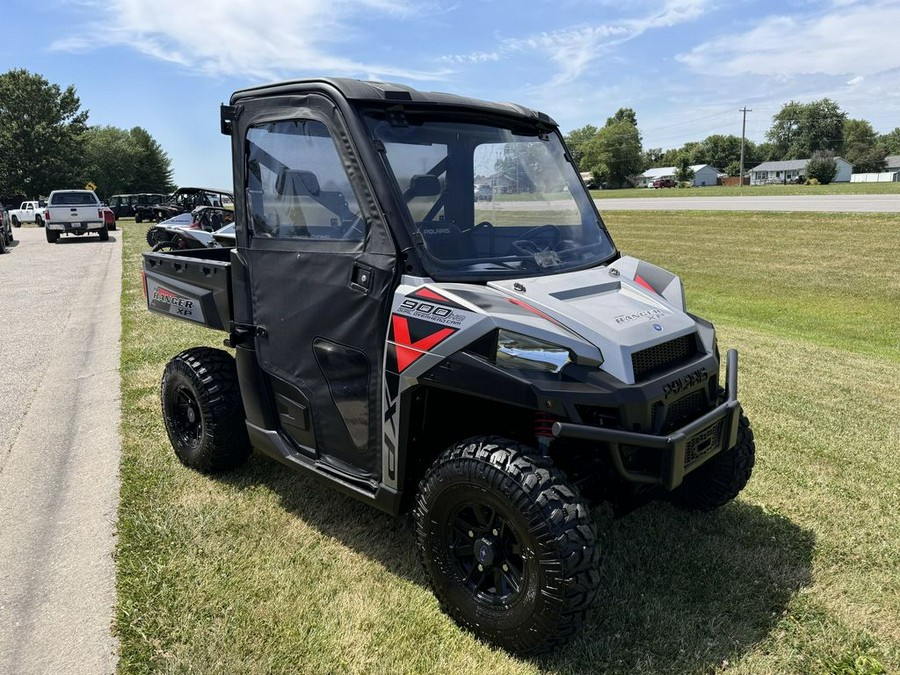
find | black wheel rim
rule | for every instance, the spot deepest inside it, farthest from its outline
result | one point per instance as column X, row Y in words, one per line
column 186, row 420
column 486, row 553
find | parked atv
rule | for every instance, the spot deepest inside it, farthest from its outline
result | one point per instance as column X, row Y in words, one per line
column 194, row 230
column 493, row 366
column 183, row 200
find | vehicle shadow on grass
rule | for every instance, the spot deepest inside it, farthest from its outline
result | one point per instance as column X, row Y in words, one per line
column 680, row 592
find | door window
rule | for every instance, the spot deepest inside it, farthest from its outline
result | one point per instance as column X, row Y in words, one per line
column 297, row 186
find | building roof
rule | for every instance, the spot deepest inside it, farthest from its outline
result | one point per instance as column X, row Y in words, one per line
column 892, row 162
column 663, row 171
column 788, row 165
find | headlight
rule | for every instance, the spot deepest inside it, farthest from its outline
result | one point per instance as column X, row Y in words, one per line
column 520, row 351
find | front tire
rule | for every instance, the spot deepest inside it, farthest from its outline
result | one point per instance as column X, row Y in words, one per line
column 153, row 236
column 508, row 546
column 15, row 222
column 721, row 479
column 39, row 221
column 203, row 411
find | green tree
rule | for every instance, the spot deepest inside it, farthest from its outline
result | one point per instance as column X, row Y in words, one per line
column 800, row 129
column 623, row 115
column 117, row 160
column 683, row 171
column 653, row 158
column 577, row 139
column 862, row 147
column 822, row 166
column 721, row 151
column 40, row 130
column 614, row 154
column 891, row 141
column 154, row 168
column 109, row 155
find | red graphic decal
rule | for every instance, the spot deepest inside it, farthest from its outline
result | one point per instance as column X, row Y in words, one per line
column 165, row 292
column 407, row 350
column 643, row 282
column 427, row 293
column 533, row 310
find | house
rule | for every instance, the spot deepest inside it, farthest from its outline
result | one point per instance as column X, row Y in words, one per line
column 892, row 163
column 704, row 174
column 794, row 171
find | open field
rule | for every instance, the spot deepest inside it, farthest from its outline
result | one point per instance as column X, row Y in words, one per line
column 262, row 570
column 754, row 190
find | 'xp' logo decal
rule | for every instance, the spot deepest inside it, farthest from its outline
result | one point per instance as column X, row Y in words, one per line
column 164, row 299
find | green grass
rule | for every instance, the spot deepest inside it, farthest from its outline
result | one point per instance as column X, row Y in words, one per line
column 754, row 190
column 264, row 571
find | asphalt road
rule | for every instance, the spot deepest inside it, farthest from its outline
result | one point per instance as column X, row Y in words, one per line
column 59, row 452
column 823, row 203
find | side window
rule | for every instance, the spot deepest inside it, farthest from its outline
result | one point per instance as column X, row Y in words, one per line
column 421, row 171
column 297, row 186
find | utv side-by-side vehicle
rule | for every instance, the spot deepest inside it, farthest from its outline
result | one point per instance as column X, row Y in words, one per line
column 183, row 200
column 493, row 365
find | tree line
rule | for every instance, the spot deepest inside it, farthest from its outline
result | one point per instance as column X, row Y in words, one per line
column 614, row 153
column 46, row 143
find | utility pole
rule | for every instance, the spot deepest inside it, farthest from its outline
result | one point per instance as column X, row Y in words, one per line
column 744, row 110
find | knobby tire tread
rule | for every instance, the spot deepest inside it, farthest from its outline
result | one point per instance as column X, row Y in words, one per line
column 531, row 479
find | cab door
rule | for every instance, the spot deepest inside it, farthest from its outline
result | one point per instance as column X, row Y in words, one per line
column 320, row 269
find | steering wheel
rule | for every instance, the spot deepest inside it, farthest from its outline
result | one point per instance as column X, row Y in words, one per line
column 537, row 239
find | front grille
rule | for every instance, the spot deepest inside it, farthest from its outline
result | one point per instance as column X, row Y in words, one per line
column 663, row 356
column 684, row 410
column 703, row 443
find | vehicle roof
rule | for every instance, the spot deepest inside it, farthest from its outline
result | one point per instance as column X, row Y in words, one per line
column 389, row 93
column 198, row 189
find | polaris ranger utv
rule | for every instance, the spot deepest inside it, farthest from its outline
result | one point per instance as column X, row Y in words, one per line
column 491, row 365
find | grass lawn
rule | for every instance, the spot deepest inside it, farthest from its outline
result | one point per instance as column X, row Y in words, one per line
column 262, row 570
column 754, row 190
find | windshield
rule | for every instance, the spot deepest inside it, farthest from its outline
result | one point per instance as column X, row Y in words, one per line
column 488, row 202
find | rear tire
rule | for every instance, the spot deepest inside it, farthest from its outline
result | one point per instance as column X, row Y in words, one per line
column 138, row 218
column 721, row 479
column 3, row 248
column 104, row 234
column 508, row 546
column 203, row 411
column 52, row 235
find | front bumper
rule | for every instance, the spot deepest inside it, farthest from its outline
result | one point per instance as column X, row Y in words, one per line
column 682, row 450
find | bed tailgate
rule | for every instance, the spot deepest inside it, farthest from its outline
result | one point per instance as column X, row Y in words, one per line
column 190, row 285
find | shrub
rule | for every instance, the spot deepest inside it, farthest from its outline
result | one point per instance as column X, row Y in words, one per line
column 812, row 181
column 822, row 166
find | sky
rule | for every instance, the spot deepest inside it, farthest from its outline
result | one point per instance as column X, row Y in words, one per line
column 686, row 67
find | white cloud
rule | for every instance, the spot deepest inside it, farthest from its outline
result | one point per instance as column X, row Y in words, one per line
column 573, row 49
column 848, row 38
column 236, row 37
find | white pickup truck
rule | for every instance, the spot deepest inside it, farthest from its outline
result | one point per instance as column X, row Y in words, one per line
column 74, row 212
column 28, row 212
